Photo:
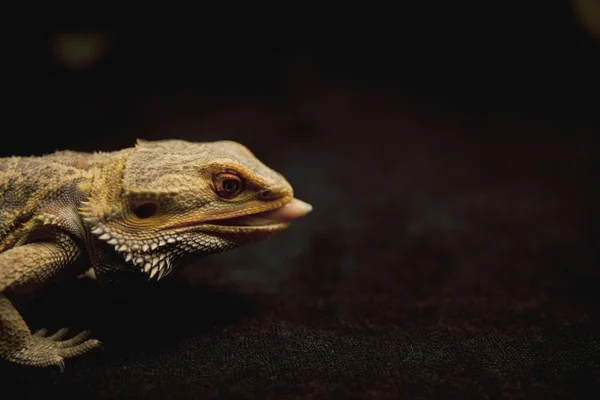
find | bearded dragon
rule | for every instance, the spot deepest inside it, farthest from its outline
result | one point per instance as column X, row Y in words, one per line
column 141, row 210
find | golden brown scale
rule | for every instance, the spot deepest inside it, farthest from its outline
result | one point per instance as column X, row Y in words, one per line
column 139, row 211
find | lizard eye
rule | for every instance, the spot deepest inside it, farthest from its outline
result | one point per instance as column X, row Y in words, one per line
column 228, row 185
column 145, row 210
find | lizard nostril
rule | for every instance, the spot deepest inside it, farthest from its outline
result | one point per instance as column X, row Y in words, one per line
column 268, row 195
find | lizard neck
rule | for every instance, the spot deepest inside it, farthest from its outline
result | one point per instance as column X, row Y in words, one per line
column 103, row 199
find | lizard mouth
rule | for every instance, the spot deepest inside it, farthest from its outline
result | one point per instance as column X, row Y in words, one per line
column 269, row 221
column 280, row 216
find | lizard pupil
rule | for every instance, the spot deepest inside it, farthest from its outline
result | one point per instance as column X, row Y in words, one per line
column 231, row 185
column 145, row 210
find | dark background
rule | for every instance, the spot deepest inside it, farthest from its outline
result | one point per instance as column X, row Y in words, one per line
column 450, row 154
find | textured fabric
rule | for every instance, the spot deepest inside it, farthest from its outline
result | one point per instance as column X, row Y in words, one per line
column 435, row 263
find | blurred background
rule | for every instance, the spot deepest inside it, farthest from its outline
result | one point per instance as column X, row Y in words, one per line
column 82, row 86
column 450, row 152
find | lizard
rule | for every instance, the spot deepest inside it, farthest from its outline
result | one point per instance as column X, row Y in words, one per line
column 139, row 211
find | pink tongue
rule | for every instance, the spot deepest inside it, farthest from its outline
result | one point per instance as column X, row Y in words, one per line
column 292, row 210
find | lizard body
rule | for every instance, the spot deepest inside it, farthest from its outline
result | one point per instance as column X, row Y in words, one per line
column 137, row 212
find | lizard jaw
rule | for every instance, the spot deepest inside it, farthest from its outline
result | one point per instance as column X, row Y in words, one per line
column 283, row 215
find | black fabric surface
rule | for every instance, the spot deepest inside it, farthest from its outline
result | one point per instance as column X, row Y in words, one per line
column 452, row 251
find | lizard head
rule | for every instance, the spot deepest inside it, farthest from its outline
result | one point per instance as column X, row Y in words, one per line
column 173, row 198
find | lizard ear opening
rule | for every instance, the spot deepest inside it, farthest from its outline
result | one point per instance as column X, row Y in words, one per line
column 145, row 210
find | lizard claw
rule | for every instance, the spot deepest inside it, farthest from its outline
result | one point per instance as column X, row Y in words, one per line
column 61, row 365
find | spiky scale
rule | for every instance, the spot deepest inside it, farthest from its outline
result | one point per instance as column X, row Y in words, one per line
column 161, row 274
column 92, row 220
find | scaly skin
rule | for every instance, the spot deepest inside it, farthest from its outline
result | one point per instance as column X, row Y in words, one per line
column 135, row 212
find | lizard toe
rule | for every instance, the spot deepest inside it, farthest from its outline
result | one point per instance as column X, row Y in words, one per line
column 41, row 332
column 82, row 348
column 59, row 334
column 75, row 340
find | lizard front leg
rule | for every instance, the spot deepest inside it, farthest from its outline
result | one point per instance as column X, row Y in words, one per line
column 36, row 263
